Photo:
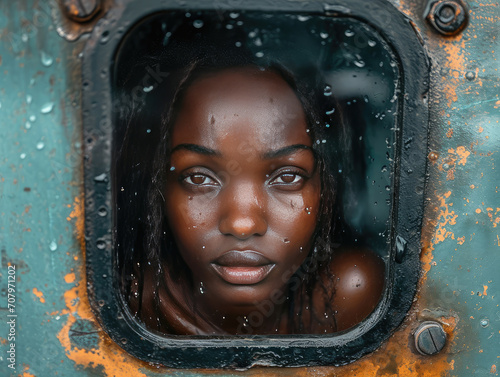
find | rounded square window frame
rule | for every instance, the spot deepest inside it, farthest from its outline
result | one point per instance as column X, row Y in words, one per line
column 407, row 207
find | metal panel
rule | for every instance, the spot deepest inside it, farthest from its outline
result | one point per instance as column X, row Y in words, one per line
column 41, row 222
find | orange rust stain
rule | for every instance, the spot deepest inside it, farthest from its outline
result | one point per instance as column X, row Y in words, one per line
column 446, row 217
column 78, row 213
column 472, row 186
column 478, row 210
column 449, row 133
column 69, row 278
column 27, row 374
column 461, row 240
column 493, row 369
column 485, row 289
column 39, row 294
column 481, row 129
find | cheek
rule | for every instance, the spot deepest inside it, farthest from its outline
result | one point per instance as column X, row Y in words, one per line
column 295, row 216
column 191, row 221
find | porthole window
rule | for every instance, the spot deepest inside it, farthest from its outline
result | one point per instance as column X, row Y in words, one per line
column 254, row 180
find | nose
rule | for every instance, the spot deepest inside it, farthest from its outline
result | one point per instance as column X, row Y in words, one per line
column 244, row 212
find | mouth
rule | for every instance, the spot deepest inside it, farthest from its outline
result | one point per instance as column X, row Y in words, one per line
column 242, row 267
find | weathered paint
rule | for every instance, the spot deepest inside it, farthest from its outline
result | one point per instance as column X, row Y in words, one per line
column 41, row 223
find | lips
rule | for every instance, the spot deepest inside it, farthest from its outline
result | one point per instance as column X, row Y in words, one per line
column 242, row 267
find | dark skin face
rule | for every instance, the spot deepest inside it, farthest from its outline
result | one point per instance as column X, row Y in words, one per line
column 243, row 190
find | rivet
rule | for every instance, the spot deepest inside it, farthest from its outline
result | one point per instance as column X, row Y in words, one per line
column 448, row 17
column 81, row 10
column 470, row 75
column 430, row 338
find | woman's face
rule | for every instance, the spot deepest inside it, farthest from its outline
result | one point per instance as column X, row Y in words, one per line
column 243, row 190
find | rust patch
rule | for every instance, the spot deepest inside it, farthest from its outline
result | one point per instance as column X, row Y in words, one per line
column 39, row 294
column 69, row 278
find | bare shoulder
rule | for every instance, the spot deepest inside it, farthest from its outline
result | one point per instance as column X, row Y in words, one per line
column 358, row 275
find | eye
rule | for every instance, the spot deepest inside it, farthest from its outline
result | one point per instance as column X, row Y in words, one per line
column 288, row 180
column 200, row 180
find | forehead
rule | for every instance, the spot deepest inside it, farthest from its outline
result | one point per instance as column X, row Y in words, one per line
column 237, row 104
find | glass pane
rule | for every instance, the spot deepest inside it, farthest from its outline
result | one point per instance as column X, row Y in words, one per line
column 254, row 172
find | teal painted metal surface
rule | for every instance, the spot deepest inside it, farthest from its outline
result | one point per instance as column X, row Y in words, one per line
column 41, row 185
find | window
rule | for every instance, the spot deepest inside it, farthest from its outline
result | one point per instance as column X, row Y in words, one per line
column 245, row 174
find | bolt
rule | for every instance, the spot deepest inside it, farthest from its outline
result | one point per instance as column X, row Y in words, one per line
column 447, row 16
column 430, row 338
column 81, row 10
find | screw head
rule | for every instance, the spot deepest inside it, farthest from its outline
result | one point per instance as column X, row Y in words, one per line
column 81, row 10
column 448, row 17
column 430, row 338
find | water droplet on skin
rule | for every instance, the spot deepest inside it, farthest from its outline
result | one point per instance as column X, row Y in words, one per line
column 29, row 98
column 32, row 118
column 172, row 168
column 201, row 288
column 286, row 240
column 308, row 210
column 47, row 108
column 348, row 33
column 40, row 145
column 53, row 246
column 22, row 156
column 47, row 60
column 198, row 24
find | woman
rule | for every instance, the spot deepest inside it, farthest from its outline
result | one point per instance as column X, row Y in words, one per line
column 241, row 208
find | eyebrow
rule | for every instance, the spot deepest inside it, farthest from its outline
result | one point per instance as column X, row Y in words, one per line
column 286, row 151
column 267, row 155
column 197, row 149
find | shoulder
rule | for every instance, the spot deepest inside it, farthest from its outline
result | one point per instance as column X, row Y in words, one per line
column 358, row 282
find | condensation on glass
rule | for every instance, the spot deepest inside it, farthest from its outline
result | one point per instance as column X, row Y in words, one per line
column 354, row 71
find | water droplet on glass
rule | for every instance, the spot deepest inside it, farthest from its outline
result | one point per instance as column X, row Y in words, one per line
column 327, row 91
column 29, row 98
column 323, row 35
column 229, row 27
column 330, row 112
column 47, row 108
column 348, row 33
column 32, row 118
column 24, row 37
column 47, row 60
column 27, row 125
column 172, row 168
column 384, row 169
column 53, row 246
column 22, row 156
column 258, row 42
column 40, row 145
column 147, row 89
column 234, row 15
column 101, row 244
column 148, row 131
column 197, row 23
column 372, row 43
column 327, row 125
column 259, row 54
column 484, row 322
column 359, row 63
column 303, row 18
column 238, row 44
column 387, row 188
